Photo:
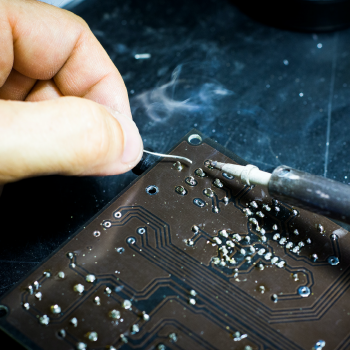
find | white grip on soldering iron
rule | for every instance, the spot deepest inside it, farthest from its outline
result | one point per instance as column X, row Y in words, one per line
column 249, row 174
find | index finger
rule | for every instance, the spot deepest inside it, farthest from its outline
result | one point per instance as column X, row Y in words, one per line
column 43, row 42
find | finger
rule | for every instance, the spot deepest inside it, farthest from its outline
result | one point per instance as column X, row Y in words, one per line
column 44, row 90
column 6, row 48
column 69, row 135
column 61, row 46
column 16, row 87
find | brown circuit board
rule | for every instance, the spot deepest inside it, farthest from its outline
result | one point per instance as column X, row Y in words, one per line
column 189, row 258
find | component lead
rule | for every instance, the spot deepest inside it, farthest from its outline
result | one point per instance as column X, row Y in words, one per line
column 230, row 244
column 181, row 190
column 261, row 251
column 135, row 329
column 209, row 192
column 126, row 304
column 115, row 314
column 218, row 183
column 216, row 260
column 199, row 172
column 173, row 337
column 90, row 278
column 191, row 181
column 262, row 289
column 195, row 229
column 55, row 309
column 79, row 288
column 314, row 257
column 261, row 266
column 61, row 274
column 266, row 207
column 81, row 346
column 276, row 236
column 62, row 333
column 44, row 320
column 192, row 301
column 178, row 166
column 274, row 260
column 123, row 338
column 247, row 212
column 92, row 336
column 217, row 240
column 268, row 256
column 74, row 321
column 145, row 316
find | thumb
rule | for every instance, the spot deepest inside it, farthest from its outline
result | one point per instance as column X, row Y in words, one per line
column 68, row 135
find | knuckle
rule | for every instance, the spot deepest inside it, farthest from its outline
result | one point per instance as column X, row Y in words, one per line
column 81, row 21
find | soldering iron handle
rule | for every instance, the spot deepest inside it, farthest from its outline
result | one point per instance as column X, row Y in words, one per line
column 311, row 192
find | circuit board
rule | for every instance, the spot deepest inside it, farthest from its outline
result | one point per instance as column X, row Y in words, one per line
column 189, row 258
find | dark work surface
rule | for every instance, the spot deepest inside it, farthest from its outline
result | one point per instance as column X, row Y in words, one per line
column 271, row 96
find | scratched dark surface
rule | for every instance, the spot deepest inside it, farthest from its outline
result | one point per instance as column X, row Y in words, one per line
column 271, row 96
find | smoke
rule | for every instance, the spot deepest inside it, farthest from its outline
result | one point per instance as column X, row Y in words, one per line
column 182, row 95
column 192, row 97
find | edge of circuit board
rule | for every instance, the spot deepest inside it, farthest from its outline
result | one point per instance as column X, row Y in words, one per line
column 14, row 338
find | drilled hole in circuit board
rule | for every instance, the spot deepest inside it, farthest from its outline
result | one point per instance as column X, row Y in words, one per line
column 120, row 250
column 195, row 139
column 97, row 233
column 141, row 230
column 3, row 311
column 152, row 190
column 304, row 291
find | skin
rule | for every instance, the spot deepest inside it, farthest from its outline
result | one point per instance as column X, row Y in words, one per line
column 64, row 108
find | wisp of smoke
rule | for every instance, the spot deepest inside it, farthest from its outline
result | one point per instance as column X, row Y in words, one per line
column 182, row 95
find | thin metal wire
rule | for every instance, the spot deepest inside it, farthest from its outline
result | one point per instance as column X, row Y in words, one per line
column 169, row 156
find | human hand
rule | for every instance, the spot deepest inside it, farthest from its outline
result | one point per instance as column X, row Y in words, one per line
column 58, row 77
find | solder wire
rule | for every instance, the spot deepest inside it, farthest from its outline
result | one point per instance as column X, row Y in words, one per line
column 169, row 156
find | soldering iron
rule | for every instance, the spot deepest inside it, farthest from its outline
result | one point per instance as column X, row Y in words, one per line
column 314, row 193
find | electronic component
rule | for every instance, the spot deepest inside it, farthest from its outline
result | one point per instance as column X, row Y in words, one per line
column 189, row 258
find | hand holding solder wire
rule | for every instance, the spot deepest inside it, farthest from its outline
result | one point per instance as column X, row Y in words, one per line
column 55, row 81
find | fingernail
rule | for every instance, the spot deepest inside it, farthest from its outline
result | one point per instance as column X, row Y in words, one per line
column 133, row 146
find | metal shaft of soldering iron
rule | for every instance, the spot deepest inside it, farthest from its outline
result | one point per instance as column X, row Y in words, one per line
column 314, row 193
